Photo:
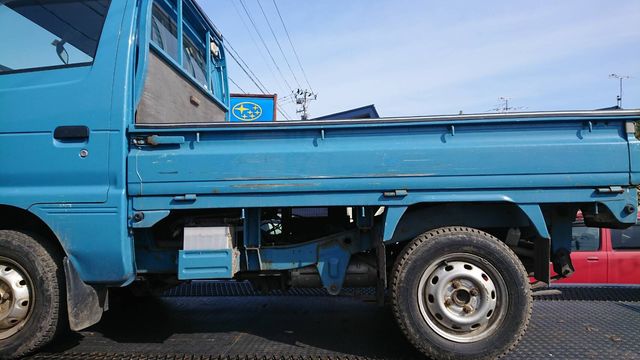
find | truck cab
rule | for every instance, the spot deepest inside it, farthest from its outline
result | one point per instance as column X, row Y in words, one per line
column 119, row 167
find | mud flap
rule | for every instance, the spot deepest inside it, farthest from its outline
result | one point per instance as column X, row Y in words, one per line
column 85, row 303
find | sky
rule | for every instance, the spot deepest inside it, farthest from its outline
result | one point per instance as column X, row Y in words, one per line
column 438, row 57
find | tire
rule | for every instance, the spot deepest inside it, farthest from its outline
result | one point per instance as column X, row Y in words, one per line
column 460, row 293
column 35, row 266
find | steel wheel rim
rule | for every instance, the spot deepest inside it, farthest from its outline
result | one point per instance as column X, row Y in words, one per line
column 16, row 297
column 462, row 297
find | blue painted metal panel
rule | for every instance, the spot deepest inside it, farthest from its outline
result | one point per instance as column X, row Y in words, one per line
column 249, row 109
column 95, row 238
column 614, row 202
column 417, row 156
column 391, row 219
column 205, row 264
column 534, row 213
column 75, row 196
column 634, row 153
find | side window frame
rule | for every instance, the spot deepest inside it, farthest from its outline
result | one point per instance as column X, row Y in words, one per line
column 199, row 33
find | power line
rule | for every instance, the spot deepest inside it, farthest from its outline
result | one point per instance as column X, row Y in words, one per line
column 278, row 43
column 293, row 47
column 236, row 84
column 265, row 44
column 231, row 48
column 281, row 111
column 246, row 68
column 260, row 52
column 247, row 73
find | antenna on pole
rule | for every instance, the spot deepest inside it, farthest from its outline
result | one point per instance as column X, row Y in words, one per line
column 620, row 78
column 303, row 97
column 504, row 106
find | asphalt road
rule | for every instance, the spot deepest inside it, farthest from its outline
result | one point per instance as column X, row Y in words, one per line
column 314, row 326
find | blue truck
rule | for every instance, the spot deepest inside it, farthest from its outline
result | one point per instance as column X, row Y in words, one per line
column 119, row 168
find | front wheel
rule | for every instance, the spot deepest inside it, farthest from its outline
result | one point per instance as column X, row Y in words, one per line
column 32, row 299
column 460, row 293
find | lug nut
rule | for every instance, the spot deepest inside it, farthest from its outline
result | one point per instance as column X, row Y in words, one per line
column 455, row 284
column 473, row 292
column 467, row 309
column 448, row 301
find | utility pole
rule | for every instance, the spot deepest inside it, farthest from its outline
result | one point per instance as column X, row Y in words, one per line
column 620, row 78
column 303, row 97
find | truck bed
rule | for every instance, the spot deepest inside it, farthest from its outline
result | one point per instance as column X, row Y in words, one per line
column 482, row 151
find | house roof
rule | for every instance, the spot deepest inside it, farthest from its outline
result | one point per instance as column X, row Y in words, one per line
column 364, row 112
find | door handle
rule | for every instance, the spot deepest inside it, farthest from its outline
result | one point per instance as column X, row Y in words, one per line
column 593, row 258
column 76, row 132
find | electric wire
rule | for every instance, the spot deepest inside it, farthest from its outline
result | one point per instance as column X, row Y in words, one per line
column 250, row 74
column 255, row 27
column 231, row 49
column 247, row 73
column 236, row 84
column 279, row 83
column 235, row 55
column 278, row 43
column 304, row 73
column 281, row 111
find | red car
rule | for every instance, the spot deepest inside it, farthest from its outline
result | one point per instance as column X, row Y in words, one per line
column 605, row 256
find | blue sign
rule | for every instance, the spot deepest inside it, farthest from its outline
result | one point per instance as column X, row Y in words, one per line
column 252, row 108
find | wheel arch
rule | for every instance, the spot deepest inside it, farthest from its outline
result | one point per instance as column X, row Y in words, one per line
column 85, row 303
column 495, row 217
column 405, row 223
column 15, row 218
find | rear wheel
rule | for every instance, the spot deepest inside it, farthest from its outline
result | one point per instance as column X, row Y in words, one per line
column 31, row 295
column 459, row 292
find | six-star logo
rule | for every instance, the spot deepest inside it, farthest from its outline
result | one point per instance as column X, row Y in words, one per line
column 246, row 111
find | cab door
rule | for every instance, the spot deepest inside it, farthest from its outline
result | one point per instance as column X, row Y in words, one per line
column 56, row 80
column 624, row 256
column 588, row 256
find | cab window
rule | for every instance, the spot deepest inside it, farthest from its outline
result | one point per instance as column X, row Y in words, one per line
column 201, row 57
column 50, row 34
column 585, row 238
column 628, row 239
column 194, row 62
column 164, row 32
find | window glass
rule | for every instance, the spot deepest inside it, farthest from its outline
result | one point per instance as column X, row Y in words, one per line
column 628, row 239
column 163, row 32
column 193, row 61
column 585, row 238
column 49, row 34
